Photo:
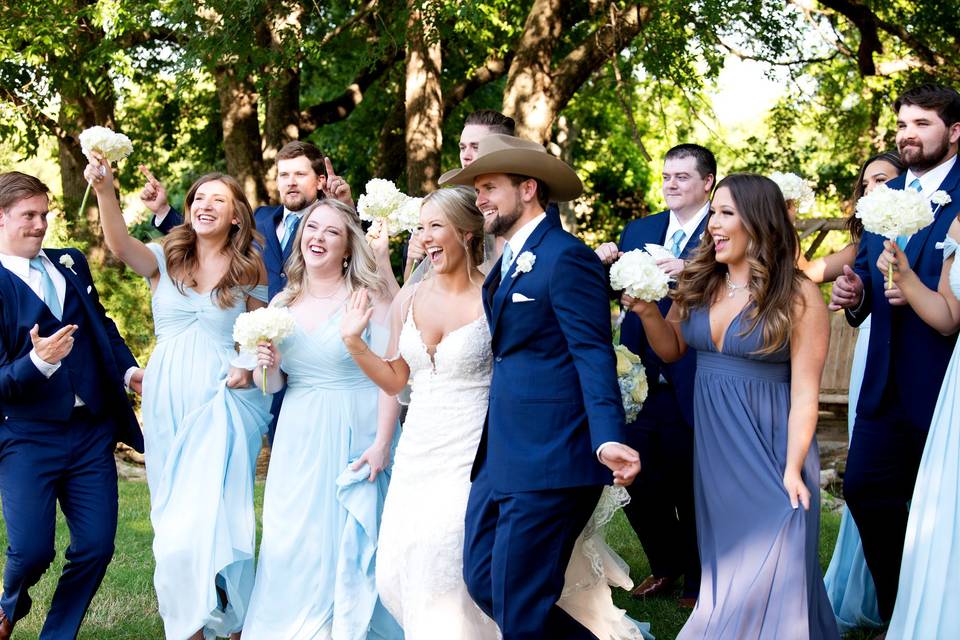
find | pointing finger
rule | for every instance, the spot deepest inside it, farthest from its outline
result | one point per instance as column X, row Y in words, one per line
column 329, row 168
column 148, row 175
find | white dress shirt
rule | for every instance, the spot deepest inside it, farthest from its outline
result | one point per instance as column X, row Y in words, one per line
column 930, row 181
column 520, row 237
column 689, row 228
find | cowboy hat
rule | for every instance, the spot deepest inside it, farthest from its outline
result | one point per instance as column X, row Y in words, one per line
column 500, row 153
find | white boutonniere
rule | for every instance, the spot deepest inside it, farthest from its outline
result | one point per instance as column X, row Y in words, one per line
column 67, row 261
column 525, row 263
column 940, row 198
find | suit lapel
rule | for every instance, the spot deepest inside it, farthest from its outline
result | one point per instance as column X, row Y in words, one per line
column 270, row 235
column 919, row 239
column 694, row 243
column 502, row 291
column 490, row 285
column 662, row 225
column 72, row 280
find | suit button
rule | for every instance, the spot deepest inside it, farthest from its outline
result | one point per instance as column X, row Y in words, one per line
column 499, row 359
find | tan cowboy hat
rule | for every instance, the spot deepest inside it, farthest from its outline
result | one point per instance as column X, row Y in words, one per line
column 500, row 153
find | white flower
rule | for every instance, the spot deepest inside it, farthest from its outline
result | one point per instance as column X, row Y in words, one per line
column 636, row 273
column 894, row 212
column 941, row 198
column 269, row 323
column 632, row 379
column 794, row 188
column 524, row 263
column 406, row 217
column 113, row 146
column 383, row 200
column 67, row 261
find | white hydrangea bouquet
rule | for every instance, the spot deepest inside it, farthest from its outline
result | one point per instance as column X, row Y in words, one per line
column 109, row 144
column 636, row 273
column 268, row 324
column 382, row 200
column 632, row 379
column 894, row 212
column 794, row 189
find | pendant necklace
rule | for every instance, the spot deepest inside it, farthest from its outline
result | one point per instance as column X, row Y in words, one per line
column 734, row 287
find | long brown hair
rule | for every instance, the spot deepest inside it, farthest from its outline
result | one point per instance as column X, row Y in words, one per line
column 180, row 246
column 771, row 244
column 361, row 269
column 853, row 223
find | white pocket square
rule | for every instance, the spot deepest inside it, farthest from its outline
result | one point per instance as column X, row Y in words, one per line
column 519, row 297
column 89, row 288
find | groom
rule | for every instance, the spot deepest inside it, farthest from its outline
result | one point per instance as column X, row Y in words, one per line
column 555, row 421
column 62, row 371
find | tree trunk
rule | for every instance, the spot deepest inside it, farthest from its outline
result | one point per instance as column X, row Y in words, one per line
column 391, row 147
column 241, row 133
column 424, row 101
column 537, row 89
column 566, row 140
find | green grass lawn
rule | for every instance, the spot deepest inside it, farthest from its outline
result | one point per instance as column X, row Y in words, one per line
column 126, row 608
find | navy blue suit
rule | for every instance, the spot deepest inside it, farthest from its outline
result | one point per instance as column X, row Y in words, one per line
column 906, row 363
column 52, row 451
column 661, row 507
column 554, row 400
column 171, row 220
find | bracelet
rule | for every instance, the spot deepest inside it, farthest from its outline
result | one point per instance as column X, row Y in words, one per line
column 361, row 352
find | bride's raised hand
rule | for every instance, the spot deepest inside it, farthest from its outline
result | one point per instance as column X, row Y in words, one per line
column 355, row 319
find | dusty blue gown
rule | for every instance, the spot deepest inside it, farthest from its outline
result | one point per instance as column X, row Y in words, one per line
column 202, row 441
column 761, row 579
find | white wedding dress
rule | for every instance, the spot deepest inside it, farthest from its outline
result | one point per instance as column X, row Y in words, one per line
column 420, row 552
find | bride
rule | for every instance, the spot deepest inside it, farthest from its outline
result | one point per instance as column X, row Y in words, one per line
column 440, row 344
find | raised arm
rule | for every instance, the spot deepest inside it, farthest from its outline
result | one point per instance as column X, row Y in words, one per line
column 829, row 267
column 940, row 309
column 390, row 375
column 808, row 351
column 663, row 334
column 131, row 251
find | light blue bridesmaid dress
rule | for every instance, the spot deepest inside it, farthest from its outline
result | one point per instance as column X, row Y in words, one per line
column 849, row 584
column 202, row 441
column 316, row 569
column 928, row 594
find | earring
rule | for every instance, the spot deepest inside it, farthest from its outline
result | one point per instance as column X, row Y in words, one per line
column 346, row 261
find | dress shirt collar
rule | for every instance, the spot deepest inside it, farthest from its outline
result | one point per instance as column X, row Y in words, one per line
column 690, row 227
column 21, row 266
column 523, row 233
column 931, row 180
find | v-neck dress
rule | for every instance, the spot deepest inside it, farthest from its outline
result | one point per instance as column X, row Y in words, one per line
column 761, row 578
column 316, row 569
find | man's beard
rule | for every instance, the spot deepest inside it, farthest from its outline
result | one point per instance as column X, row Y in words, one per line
column 296, row 202
column 915, row 156
column 503, row 222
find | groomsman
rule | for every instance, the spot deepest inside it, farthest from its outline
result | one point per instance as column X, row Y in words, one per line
column 906, row 358
column 63, row 366
column 304, row 175
column 661, row 507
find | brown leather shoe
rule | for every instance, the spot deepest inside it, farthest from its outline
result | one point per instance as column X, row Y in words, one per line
column 686, row 603
column 653, row 586
column 6, row 627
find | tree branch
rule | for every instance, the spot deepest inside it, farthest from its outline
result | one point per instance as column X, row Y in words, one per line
column 494, row 68
column 343, row 105
column 32, row 111
column 743, row 55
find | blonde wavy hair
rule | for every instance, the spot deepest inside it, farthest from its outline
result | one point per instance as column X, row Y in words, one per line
column 361, row 269
column 771, row 244
column 246, row 263
column 459, row 207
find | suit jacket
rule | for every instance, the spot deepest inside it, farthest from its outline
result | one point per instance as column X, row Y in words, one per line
column 679, row 374
column 274, row 258
column 554, row 397
column 26, row 395
column 173, row 219
column 904, row 350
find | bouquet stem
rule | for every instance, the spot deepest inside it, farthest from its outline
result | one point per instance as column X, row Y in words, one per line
column 890, row 276
column 83, row 203
column 263, row 380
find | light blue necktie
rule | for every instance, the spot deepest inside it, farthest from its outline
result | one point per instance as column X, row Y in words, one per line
column 49, row 291
column 675, row 242
column 506, row 261
column 289, row 229
column 903, row 240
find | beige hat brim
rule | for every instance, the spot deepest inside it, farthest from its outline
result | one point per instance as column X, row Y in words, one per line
column 563, row 182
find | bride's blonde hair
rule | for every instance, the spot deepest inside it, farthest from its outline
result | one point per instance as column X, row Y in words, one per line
column 360, row 270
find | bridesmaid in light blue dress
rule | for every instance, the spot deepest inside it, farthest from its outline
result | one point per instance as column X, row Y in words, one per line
column 928, row 599
column 849, row 584
column 203, row 421
column 329, row 464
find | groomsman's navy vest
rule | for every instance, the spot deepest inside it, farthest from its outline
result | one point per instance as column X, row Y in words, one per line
column 78, row 365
